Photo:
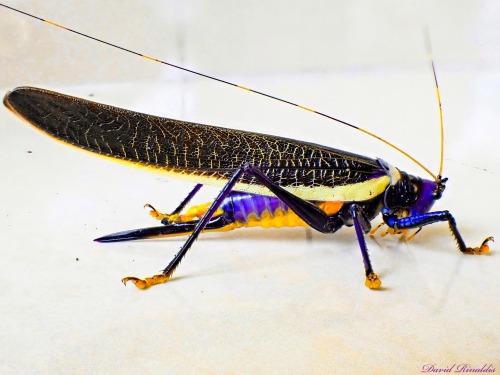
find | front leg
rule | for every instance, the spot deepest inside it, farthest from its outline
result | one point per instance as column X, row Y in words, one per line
column 417, row 221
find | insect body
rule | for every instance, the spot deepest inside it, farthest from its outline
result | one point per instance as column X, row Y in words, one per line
column 266, row 180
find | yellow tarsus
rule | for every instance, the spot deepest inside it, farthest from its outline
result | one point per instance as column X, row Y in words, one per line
column 481, row 250
column 392, row 231
column 146, row 282
column 194, row 212
column 154, row 212
column 374, row 230
column 372, row 281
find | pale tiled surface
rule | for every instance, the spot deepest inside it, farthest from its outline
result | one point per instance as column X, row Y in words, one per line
column 249, row 301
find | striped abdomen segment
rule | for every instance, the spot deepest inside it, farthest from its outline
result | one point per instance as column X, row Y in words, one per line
column 252, row 210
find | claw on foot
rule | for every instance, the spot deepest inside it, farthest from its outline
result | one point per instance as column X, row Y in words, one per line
column 372, row 281
column 146, row 282
column 483, row 249
column 155, row 214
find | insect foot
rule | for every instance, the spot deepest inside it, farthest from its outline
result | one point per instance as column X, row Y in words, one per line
column 483, row 249
column 372, row 281
column 158, row 215
column 146, row 282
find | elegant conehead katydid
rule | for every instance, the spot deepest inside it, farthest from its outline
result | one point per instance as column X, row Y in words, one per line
column 266, row 180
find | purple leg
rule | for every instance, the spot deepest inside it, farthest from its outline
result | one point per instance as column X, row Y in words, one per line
column 307, row 211
column 187, row 199
column 417, row 221
column 362, row 226
column 170, row 269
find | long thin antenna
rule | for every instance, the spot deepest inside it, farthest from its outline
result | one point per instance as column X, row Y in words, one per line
column 428, row 47
column 231, row 84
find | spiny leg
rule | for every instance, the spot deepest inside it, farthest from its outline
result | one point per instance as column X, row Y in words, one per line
column 312, row 215
column 173, row 216
column 483, row 249
column 200, row 225
column 307, row 211
column 434, row 217
column 362, row 226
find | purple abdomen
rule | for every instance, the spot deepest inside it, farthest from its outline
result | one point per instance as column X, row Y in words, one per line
column 242, row 205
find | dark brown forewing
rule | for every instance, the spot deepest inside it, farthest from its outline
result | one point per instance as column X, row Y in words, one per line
column 185, row 146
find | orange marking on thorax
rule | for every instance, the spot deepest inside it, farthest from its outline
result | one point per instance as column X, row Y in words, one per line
column 330, row 208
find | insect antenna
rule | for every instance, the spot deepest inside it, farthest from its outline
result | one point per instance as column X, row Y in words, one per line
column 428, row 47
column 436, row 178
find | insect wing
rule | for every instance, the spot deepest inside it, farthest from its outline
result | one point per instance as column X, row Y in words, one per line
column 204, row 153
